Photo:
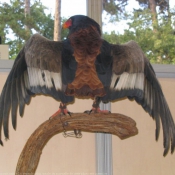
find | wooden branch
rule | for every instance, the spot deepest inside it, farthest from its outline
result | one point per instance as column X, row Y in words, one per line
column 116, row 124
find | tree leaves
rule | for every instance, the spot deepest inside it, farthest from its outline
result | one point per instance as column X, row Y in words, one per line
column 13, row 19
column 157, row 44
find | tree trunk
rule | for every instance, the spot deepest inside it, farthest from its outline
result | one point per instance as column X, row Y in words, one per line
column 169, row 13
column 27, row 13
column 57, row 22
column 152, row 4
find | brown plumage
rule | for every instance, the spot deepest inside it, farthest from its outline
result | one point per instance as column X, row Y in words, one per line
column 86, row 44
column 85, row 65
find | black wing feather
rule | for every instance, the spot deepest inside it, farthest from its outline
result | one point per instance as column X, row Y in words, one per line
column 134, row 77
column 36, row 70
column 14, row 103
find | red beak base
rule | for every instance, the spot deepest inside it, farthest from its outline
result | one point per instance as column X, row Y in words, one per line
column 67, row 24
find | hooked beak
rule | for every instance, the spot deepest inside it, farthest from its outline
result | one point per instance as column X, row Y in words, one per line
column 67, row 24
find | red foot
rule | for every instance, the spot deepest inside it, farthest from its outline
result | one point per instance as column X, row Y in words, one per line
column 62, row 110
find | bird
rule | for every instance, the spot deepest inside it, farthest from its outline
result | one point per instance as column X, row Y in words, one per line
column 84, row 65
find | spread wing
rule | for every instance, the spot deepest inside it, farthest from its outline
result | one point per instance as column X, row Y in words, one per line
column 134, row 77
column 36, row 70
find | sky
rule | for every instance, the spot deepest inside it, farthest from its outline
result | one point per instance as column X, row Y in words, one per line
column 73, row 7
column 68, row 7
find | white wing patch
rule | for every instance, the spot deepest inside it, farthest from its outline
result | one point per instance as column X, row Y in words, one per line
column 128, row 81
column 38, row 77
column 47, row 78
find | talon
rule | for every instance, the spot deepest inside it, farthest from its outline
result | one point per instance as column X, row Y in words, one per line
column 88, row 112
column 69, row 113
column 62, row 111
column 96, row 108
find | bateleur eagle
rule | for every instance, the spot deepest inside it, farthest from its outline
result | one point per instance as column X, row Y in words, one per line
column 85, row 65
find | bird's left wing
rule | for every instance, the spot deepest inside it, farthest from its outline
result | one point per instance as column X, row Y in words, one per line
column 36, row 70
column 134, row 77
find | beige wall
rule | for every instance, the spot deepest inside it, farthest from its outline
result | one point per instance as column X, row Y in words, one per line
column 60, row 155
column 139, row 155
column 4, row 51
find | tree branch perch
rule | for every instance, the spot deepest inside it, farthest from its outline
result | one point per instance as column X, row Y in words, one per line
column 113, row 123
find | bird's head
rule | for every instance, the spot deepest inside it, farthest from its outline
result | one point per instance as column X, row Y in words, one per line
column 77, row 22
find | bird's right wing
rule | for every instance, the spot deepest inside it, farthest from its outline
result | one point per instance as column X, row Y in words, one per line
column 134, row 77
column 36, row 70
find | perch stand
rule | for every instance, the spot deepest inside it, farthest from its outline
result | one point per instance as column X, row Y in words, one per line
column 113, row 123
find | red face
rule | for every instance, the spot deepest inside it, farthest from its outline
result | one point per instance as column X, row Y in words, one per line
column 67, row 24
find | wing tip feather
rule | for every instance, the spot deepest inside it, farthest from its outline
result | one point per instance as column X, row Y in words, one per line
column 157, row 133
column 1, row 143
column 172, row 149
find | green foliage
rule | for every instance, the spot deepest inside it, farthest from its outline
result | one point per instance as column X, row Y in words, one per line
column 158, row 46
column 161, row 4
column 13, row 21
column 115, row 8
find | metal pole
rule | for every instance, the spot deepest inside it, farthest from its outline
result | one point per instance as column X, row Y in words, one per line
column 104, row 149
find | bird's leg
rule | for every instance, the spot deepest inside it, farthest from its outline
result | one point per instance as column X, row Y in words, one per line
column 61, row 111
column 96, row 107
